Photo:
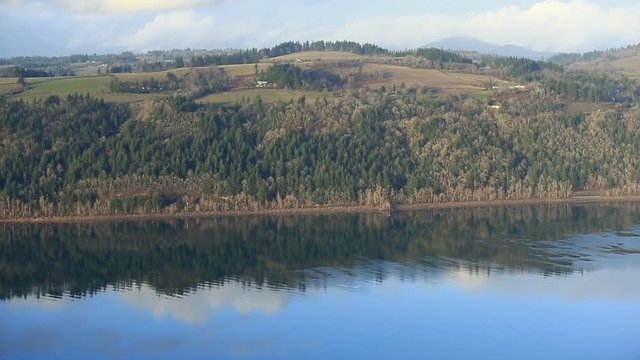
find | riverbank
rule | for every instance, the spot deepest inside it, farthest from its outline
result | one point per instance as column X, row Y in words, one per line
column 320, row 210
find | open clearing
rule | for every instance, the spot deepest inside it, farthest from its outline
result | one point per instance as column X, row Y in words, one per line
column 445, row 81
column 267, row 95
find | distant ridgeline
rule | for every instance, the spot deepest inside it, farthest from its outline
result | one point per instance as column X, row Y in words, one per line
column 81, row 156
column 154, row 61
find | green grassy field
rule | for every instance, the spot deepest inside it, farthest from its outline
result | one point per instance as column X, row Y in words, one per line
column 98, row 86
column 267, row 95
column 84, row 70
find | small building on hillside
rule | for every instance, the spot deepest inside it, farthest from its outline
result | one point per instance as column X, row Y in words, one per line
column 261, row 84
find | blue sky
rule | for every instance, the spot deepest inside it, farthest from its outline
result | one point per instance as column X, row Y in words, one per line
column 29, row 27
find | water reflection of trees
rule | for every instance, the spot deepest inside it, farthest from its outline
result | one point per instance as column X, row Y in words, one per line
column 178, row 255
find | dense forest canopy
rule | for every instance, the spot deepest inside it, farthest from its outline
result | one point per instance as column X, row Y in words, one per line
column 80, row 155
column 524, row 69
column 585, row 86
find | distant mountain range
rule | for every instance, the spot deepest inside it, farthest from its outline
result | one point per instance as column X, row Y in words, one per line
column 471, row 44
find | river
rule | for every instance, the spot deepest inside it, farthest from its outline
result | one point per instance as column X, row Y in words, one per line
column 556, row 281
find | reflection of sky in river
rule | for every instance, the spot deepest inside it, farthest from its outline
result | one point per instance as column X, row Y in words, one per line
column 409, row 312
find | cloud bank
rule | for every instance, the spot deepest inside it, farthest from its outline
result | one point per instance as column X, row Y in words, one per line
column 115, row 25
column 548, row 25
column 177, row 29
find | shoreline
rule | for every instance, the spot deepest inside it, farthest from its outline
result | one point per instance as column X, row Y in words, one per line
column 320, row 210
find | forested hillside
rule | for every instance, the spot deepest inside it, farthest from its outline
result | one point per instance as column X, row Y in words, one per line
column 82, row 156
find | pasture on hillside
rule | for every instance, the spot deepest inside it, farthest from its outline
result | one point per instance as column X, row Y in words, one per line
column 244, row 69
column 345, row 64
column 449, row 82
column 625, row 61
column 7, row 85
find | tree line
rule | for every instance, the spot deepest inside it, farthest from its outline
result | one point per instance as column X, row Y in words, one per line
column 291, row 47
column 593, row 87
column 523, row 69
column 435, row 54
column 19, row 72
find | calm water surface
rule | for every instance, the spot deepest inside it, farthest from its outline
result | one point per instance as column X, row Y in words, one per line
column 552, row 281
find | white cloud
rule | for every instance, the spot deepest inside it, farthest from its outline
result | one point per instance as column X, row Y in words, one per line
column 610, row 282
column 548, row 25
column 178, row 29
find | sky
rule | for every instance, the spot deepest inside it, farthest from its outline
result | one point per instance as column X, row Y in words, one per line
column 63, row 27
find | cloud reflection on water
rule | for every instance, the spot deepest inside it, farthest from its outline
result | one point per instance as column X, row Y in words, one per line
column 198, row 306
